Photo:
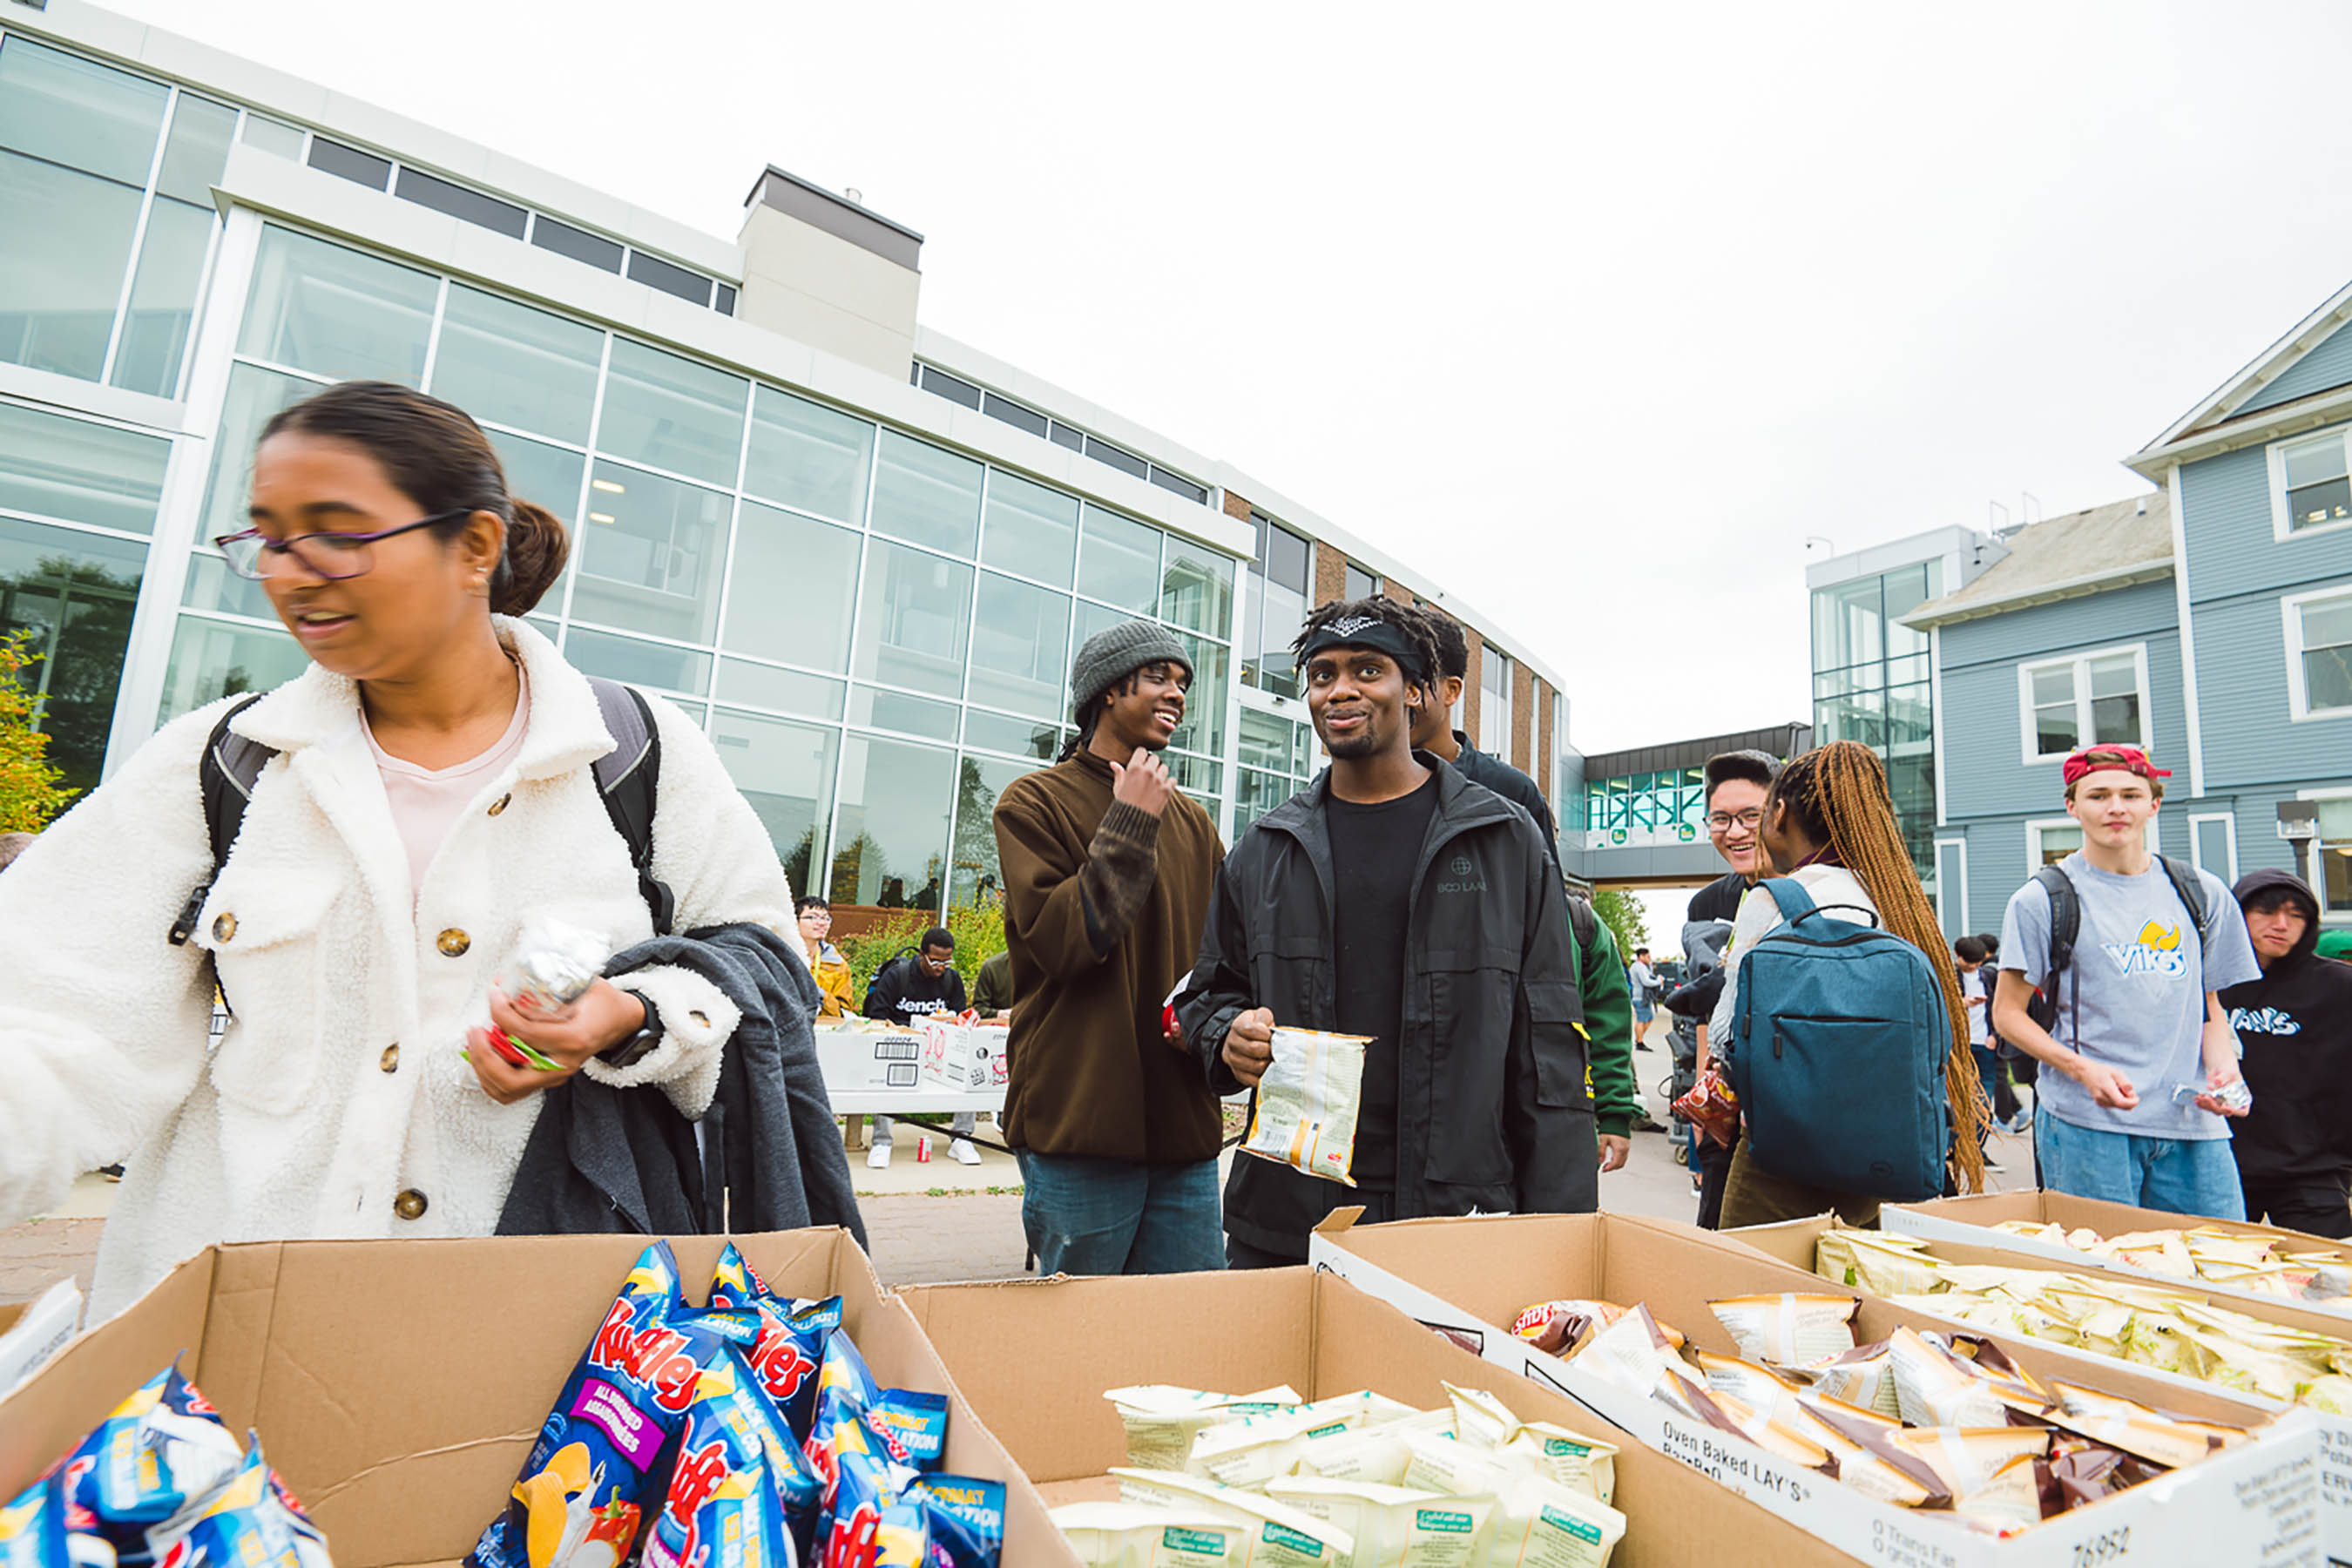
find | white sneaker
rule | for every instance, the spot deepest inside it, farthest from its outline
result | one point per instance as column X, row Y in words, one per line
column 963, row 1152
column 879, row 1157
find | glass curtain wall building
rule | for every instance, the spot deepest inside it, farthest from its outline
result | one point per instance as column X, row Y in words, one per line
column 869, row 595
column 1870, row 684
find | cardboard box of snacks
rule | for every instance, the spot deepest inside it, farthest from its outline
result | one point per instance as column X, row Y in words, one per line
column 2252, row 1382
column 2223, row 1258
column 858, row 1060
column 1036, row 1358
column 2256, row 1501
column 398, row 1385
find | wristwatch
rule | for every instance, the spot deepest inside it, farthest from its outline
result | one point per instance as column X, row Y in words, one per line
column 637, row 1046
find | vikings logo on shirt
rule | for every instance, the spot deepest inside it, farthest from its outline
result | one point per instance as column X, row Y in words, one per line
column 2157, row 952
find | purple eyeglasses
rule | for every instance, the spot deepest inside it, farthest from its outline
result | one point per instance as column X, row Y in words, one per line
column 333, row 556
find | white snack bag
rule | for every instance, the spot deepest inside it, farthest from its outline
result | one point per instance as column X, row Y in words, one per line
column 1162, row 1421
column 1788, row 1330
column 1374, row 1453
column 1129, row 1535
column 1281, row 1536
column 1394, row 1527
column 1305, row 1116
column 1249, row 1454
column 1581, row 1464
column 1541, row 1522
column 1480, row 1419
column 1456, row 1468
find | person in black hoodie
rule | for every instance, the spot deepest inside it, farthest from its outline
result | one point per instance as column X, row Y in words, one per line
column 2295, row 1024
column 918, row 983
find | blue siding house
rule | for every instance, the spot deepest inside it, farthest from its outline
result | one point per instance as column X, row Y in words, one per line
column 2208, row 620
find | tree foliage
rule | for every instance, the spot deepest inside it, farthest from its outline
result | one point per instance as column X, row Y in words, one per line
column 32, row 788
column 1621, row 911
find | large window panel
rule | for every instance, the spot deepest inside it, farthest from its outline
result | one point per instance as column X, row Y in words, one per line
column 163, row 298
column 1280, row 616
column 795, row 582
column 72, row 595
column 72, row 470
column 2317, row 491
column 927, row 496
column 1030, row 530
column 2327, row 654
column 1118, row 563
column 253, row 396
column 808, row 457
column 658, row 665
column 196, row 150
column 76, row 112
column 1203, row 728
column 335, row 313
column 1848, row 625
column 974, row 880
column 1021, row 737
column 2115, row 699
column 1196, row 588
column 212, row 660
column 914, row 621
column 64, row 247
column 788, row 690
column 548, row 477
column 1019, row 647
column 2055, row 731
column 926, row 718
column 211, row 586
column 513, row 366
column 786, row 772
column 650, row 553
column 668, row 411
column 891, row 828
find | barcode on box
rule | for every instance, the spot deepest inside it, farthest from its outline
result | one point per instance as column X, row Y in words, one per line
column 902, row 1074
column 903, row 1049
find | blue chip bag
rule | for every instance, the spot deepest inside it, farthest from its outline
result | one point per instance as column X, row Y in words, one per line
column 965, row 1521
column 724, row 1506
column 869, row 1493
column 158, row 1457
column 789, row 1340
column 911, row 1428
column 33, row 1526
column 251, row 1523
column 603, row 1452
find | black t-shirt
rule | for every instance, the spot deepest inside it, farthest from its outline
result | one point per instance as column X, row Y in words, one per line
column 1374, row 850
column 1719, row 900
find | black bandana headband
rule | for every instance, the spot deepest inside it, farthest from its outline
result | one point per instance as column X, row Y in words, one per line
column 1367, row 631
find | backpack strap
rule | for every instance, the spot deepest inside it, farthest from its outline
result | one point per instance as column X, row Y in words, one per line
column 1790, row 896
column 2191, row 890
column 629, row 779
column 224, row 777
column 2065, row 926
column 1582, row 921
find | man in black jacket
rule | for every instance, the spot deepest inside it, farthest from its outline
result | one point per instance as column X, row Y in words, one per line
column 2295, row 1024
column 1394, row 898
column 915, row 984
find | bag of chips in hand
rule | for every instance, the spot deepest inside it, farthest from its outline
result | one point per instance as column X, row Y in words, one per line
column 1305, row 1113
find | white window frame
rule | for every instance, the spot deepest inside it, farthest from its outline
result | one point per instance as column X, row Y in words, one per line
column 2313, row 874
column 2036, row 826
column 2230, row 821
column 2282, row 525
column 1944, row 893
column 2298, row 697
column 2080, row 664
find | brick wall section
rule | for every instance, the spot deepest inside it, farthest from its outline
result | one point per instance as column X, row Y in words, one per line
column 1236, row 506
column 1523, row 718
column 1546, row 747
column 1470, row 687
column 1398, row 592
column 1330, row 575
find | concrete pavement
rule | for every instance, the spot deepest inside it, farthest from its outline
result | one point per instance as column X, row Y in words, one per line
column 926, row 1223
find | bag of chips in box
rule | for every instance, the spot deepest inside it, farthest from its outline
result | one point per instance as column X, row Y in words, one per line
column 788, row 1350
column 249, row 1523
column 604, row 1451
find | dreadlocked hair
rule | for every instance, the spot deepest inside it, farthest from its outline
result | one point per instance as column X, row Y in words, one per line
column 1091, row 715
column 1838, row 795
column 1403, row 618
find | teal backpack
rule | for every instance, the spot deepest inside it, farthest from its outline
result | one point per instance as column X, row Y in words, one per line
column 1838, row 1043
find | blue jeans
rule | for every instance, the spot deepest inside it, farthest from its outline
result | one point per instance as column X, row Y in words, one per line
column 1988, row 1074
column 2190, row 1176
column 1088, row 1216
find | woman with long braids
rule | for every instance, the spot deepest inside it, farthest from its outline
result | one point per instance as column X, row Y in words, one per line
column 1829, row 826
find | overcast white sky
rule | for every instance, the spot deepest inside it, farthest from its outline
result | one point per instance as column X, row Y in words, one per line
column 1595, row 313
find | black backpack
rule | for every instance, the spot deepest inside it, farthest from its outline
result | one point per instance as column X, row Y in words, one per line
column 2067, row 925
column 627, row 778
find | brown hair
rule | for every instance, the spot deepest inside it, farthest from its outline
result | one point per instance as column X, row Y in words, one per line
column 1838, row 796
column 435, row 455
column 2101, row 757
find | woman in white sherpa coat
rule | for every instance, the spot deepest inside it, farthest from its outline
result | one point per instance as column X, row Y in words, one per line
column 432, row 792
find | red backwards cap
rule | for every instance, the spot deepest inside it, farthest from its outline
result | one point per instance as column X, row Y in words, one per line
column 2117, row 759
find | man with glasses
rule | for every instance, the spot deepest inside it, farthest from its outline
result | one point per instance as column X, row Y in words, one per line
column 915, row 984
column 1735, row 785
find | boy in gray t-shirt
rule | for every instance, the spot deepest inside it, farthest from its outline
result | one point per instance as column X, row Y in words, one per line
column 2140, row 1046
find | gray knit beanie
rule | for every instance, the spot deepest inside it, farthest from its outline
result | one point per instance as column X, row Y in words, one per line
column 1113, row 654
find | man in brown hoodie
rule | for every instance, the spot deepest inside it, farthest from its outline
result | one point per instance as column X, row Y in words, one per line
column 1107, row 870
